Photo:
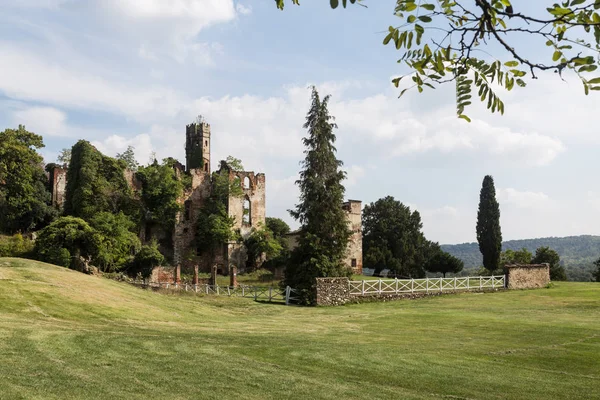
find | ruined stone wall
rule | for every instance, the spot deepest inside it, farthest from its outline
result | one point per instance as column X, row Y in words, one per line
column 184, row 250
column 332, row 291
column 162, row 274
column 354, row 256
column 527, row 276
column 58, row 186
column 253, row 188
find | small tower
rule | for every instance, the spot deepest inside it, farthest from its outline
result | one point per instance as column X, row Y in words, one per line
column 197, row 145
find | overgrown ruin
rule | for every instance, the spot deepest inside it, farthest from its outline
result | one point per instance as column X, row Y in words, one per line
column 247, row 207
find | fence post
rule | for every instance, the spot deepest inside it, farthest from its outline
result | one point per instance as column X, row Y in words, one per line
column 493, row 286
column 186, row 285
column 243, row 291
column 287, row 295
column 270, row 293
column 255, row 293
column 455, row 283
column 480, row 282
column 412, row 285
column 396, row 285
column 441, row 284
column 379, row 291
column 218, row 290
column 427, row 285
column 363, row 287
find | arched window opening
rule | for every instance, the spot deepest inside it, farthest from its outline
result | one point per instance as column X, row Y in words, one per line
column 247, row 217
column 205, row 166
column 246, row 183
column 188, row 210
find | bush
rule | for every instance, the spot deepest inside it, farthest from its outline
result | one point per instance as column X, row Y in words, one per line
column 65, row 240
column 145, row 261
column 118, row 244
column 16, row 246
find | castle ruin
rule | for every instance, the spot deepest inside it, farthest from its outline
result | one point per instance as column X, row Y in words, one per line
column 247, row 209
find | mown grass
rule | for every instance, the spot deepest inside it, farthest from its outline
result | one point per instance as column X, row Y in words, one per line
column 65, row 335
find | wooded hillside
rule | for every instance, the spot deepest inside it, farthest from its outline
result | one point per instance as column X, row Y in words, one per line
column 576, row 252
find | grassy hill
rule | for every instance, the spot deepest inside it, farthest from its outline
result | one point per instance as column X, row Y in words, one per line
column 65, row 335
column 577, row 253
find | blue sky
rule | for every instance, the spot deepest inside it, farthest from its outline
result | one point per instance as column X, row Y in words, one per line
column 134, row 72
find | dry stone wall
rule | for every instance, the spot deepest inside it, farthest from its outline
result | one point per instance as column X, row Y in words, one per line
column 332, row 291
column 527, row 276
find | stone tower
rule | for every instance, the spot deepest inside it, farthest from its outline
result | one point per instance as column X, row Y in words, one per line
column 197, row 145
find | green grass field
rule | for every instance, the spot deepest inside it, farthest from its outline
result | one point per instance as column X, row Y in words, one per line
column 65, row 335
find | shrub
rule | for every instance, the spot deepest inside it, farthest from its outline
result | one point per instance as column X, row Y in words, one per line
column 16, row 246
column 65, row 240
column 118, row 244
column 146, row 259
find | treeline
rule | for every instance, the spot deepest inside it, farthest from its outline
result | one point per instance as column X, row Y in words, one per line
column 577, row 253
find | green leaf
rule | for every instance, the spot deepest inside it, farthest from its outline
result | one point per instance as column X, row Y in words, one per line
column 428, row 7
column 594, row 81
column 464, row 117
column 556, row 55
column 511, row 63
column 424, row 18
column 333, row 3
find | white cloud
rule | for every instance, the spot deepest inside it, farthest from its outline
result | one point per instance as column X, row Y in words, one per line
column 242, row 9
column 43, row 4
column 45, row 121
column 524, row 199
column 354, row 174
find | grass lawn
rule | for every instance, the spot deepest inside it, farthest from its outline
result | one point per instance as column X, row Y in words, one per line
column 65, row 335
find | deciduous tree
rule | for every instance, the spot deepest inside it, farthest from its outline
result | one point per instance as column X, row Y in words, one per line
column 24, row 196
column 392, row 238
column 550, row 256
column 481, row 46
column 444, row 263
column 489, row 235
column 324, row 232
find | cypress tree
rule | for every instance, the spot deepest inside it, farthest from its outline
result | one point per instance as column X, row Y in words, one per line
column 324, row 231
column 489, row 235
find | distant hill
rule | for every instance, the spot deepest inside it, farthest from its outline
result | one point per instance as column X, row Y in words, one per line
column 577, row 253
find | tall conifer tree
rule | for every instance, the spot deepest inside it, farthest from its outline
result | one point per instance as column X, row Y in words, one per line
column 324, row 231
column 489, row 235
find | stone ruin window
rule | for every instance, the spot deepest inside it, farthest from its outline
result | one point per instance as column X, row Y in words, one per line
column 354, row 263
column 205, row 166
column 247, row 213
column 206, row 142
column 246, row 183
column 188, row 210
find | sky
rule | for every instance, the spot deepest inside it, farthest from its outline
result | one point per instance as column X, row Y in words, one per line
column 135, row 72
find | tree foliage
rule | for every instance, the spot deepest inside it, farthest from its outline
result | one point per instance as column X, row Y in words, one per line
column 128, row 156
column 550, row 256
column 479, row 45
column 146, row 260
column 65, row 240
column 64, row 157
column 279, row 229
column 324, row 232
column 24, row 196
column 444, row 263
column 118, row 243
column 522, row 256
column 160, row 190
column 596, row 274
column 489, row 235
column 95, row 184
column 214, row 227
column 392, row 239
column 261, row 245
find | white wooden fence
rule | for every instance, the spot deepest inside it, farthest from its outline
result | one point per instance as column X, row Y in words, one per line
column 270, row 294
column 427, row 285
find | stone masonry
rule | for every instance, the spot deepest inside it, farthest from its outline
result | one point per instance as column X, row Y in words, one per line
column 527, row 276
column 248, row 210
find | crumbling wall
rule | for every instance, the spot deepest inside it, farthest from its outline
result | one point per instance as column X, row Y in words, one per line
column 161, row 274
column 58, row 186
column 332, row 291
column 253, row 190
column 184, row 249
column 527, row 276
